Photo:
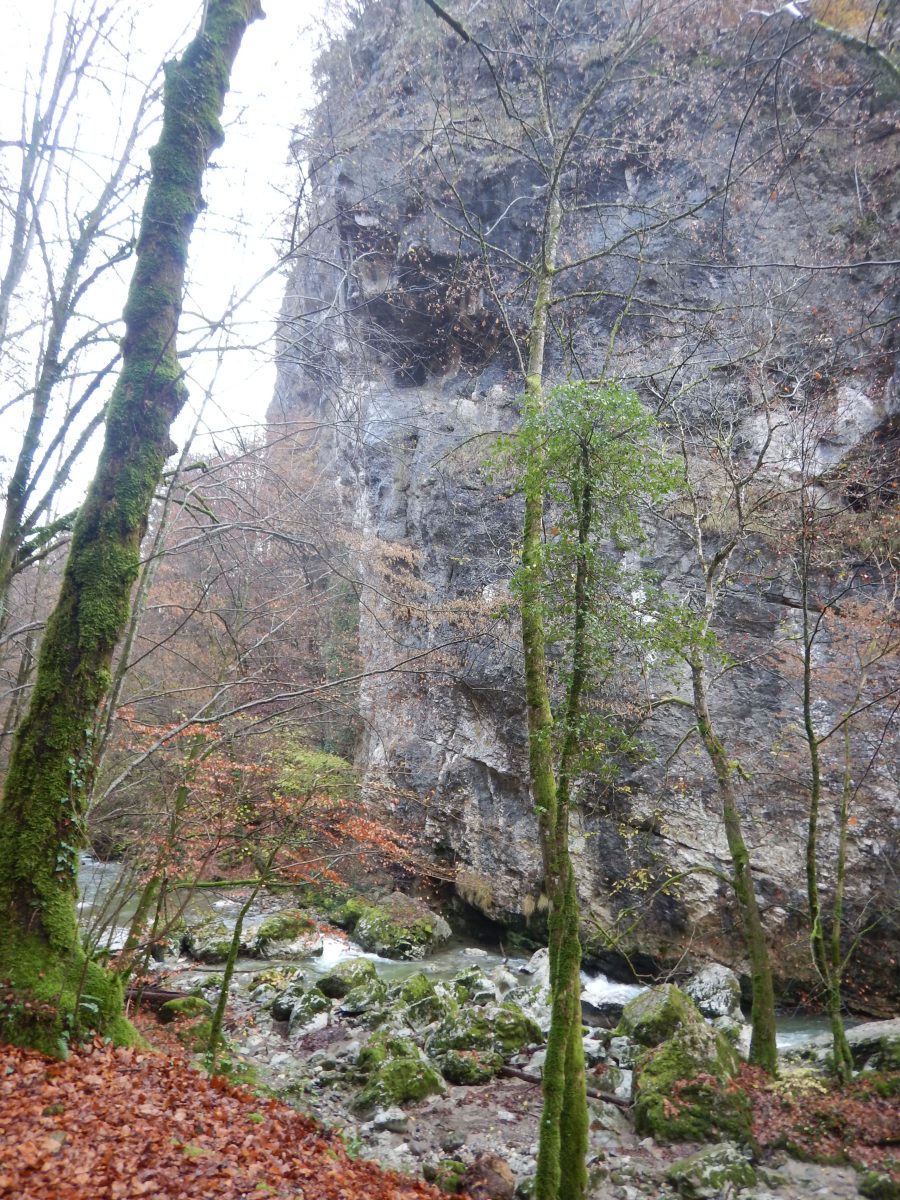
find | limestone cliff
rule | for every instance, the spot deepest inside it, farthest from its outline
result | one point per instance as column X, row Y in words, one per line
column 731, row 201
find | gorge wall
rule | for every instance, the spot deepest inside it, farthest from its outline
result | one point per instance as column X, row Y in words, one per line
column 731, row 209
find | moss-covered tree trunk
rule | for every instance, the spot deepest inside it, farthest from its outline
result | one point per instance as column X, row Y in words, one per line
column 48, row 988
column 562, row 1146
column 763, row 1050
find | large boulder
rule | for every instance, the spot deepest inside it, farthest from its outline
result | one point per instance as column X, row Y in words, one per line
column 207, row 940
column 394, row 1071
column 716, row 991
column 400, row 927
column 711, row 1173
column 310, row 1011
column 656, row 1014
column 283, row 1003
column 684, row 1092
column 502, row 1028
column 289, row 934
column 470, row 1066
column 345, row 976
column 423, row 1001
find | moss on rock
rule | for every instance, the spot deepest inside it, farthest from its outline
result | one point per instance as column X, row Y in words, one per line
column 365, row 999
column 501, row 1028
column 346, row 975
column 207, row 941
column 307, row 1007
column 713, row 1171
column 399, row 1081
column 290, row 934
column 395, row 1073
column 470, row 1066
column 281, row 1006
column 876, row 1186
column 656, row 1014
column 401, row 927
column 684, row 1089
column 183, row 1009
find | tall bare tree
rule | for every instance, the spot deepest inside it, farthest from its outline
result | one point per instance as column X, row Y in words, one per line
column 51, row 986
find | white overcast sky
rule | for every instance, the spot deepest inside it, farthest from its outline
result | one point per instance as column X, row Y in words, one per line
column 249, row 190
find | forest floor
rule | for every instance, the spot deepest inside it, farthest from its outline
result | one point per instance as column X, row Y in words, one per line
column 112, row 1124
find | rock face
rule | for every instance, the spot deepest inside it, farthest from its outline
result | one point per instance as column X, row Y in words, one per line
column 403, row 328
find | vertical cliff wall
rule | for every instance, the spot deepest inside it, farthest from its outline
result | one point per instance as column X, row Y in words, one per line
column 731, row 213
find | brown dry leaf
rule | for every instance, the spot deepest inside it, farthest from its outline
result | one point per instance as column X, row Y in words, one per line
column 119, row 1112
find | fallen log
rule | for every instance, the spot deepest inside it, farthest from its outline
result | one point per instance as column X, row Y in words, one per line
column 152, row 997
column 515, row 1073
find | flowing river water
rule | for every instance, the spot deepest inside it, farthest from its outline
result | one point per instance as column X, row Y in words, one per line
column 105, row 916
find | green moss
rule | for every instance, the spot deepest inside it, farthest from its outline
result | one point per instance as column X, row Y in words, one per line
column 446, row 1174
column 183, row 1009
column 713, row 1171
column 383, row 1046
column 513, row 1030
column 473, row 986
column 46, row 1001
column 52, row 992
column 195, row 1037
column 416, row 987
column 287, row 927
column 349, row 974
column 503, row 1029
column 399, row 1081
column 469, row 1029
column 655, row 1015
column 876, row 1186
column 281, row 1006
column 399, row 928
column 684, row 1090
column 368, row 998
column 470, row 1066
column 208, row 941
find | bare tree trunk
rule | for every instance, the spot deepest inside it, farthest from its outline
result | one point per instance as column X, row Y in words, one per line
column 52, row 988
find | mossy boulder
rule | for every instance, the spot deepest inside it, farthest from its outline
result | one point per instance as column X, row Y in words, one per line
column 365, row 999
column 712, row 1172
column 399, row 1081
column 345, row 976
column 445, row 1174
column 502, row 1028
column 289, row 934
column 474, row 987
column 395, row 1072
column 470, row 1066
column 684, row 1089
column 266, row 985
column 656, row 1014
column 185, row 1008
column 400, row 927
column 195, row 1037
column 383, row 1046
column 207, row 941
column 513, row 1028
column 423, row 1001
column 307, row 1008
column 284, row 1002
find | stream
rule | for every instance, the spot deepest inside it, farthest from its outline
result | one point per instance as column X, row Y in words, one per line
column 102, row 912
